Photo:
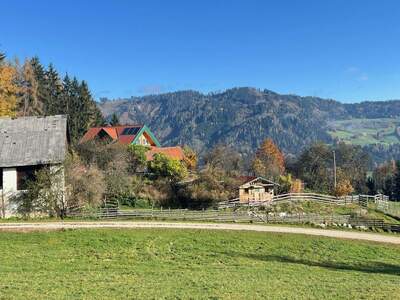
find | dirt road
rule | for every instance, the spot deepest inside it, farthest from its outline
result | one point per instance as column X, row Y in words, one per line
column 206, row 226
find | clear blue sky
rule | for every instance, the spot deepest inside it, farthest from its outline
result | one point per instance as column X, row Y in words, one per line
column 343, row 49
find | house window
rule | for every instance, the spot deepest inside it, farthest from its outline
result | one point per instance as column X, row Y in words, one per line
column 246, row 190
column 25, row 175
column 1, row 178
column 143, row 141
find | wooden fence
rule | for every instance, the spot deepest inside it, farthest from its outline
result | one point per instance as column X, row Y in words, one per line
column 217, row 216
column 239, row 217
column 363, row 200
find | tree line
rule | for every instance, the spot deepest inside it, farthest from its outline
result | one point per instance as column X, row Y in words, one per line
column 30, row 89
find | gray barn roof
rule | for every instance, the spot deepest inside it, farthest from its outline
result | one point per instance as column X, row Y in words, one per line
column 32, row 141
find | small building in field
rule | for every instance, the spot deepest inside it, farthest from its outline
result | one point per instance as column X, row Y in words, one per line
column 132, row 135
column 27, row 145
column 256, row 189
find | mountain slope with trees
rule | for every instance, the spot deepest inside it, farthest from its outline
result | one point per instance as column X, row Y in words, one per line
column 244, row 117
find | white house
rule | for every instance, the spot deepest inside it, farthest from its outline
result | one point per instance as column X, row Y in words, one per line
column 28, row 144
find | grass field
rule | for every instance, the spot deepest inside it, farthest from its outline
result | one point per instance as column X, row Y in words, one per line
column 365, row 131
column 193, row 264
column 394, row 208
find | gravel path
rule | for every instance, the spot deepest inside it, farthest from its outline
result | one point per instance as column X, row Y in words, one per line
column 208, row 226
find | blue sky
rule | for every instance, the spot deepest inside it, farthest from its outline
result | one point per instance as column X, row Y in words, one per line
column 346, row 50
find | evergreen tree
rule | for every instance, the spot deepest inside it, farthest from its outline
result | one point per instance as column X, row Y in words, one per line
column 98, row 119
column 74, row 111
column 371, row 186
column 40, row 76
column 53, row 86
column 93, row 116
column 114, row 120
column 78, row 103
column 396, row 182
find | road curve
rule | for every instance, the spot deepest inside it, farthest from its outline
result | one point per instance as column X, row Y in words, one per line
column 354, row 235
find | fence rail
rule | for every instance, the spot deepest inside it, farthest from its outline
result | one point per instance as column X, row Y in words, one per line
column 218, row 215
column 363, row 200
column 241, row 217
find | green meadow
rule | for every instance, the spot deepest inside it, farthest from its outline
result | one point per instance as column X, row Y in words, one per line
column 365, row 131
column 193, row 264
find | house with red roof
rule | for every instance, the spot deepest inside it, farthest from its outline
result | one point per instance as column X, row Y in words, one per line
column 132, row 135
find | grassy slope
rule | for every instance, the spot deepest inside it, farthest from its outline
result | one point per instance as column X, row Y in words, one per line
column 364, row 131
column 394, row 208
column 194, row 264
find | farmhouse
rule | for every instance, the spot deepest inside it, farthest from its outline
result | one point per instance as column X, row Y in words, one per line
column 27, row 145
column 132, row 135
column 256, row 189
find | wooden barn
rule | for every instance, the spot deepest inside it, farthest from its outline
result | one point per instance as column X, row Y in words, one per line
column 27, row 145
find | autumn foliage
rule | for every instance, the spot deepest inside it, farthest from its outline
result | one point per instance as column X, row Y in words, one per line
column 269, row 160
column 343, row 188
column 190, row 158
column 8, row 90
column 297, row 186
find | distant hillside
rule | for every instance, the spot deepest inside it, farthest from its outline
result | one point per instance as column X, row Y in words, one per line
column 243, row 117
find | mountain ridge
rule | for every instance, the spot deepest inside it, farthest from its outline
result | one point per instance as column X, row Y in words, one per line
column 242, row 117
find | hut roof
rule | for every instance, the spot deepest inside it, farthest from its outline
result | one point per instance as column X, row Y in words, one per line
column 29, row 141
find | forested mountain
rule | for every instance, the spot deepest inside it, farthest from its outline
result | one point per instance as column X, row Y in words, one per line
column 244, row 117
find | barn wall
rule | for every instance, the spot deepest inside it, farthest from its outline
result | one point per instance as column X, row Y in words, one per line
column 10, row 187
column 9, row 180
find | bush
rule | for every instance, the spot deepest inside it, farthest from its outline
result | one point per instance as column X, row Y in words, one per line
column 172, row 169
column 211, row 187
column 84, row 184
column 137, row 158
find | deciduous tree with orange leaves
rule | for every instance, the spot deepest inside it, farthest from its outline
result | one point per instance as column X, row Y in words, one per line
column 8, row 90
column 269, row 161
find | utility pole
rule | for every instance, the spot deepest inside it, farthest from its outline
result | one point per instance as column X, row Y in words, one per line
column 334, row 168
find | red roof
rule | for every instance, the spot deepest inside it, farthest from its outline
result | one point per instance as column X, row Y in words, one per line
column 111, row 132
column 114, row 132
column 171, row 152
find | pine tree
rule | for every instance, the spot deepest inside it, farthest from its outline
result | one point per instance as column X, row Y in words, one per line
column 75, row 109
column 95, row 116
column 53, row 86
column 98, row 119
column 40, row 76
column 114, row 120
column 77, row 102
column 396, row 182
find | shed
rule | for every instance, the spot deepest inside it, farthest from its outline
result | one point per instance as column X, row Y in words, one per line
column 256, row 189
column 28, row 144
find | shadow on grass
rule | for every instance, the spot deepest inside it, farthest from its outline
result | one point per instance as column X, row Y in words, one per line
column 373, row 267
